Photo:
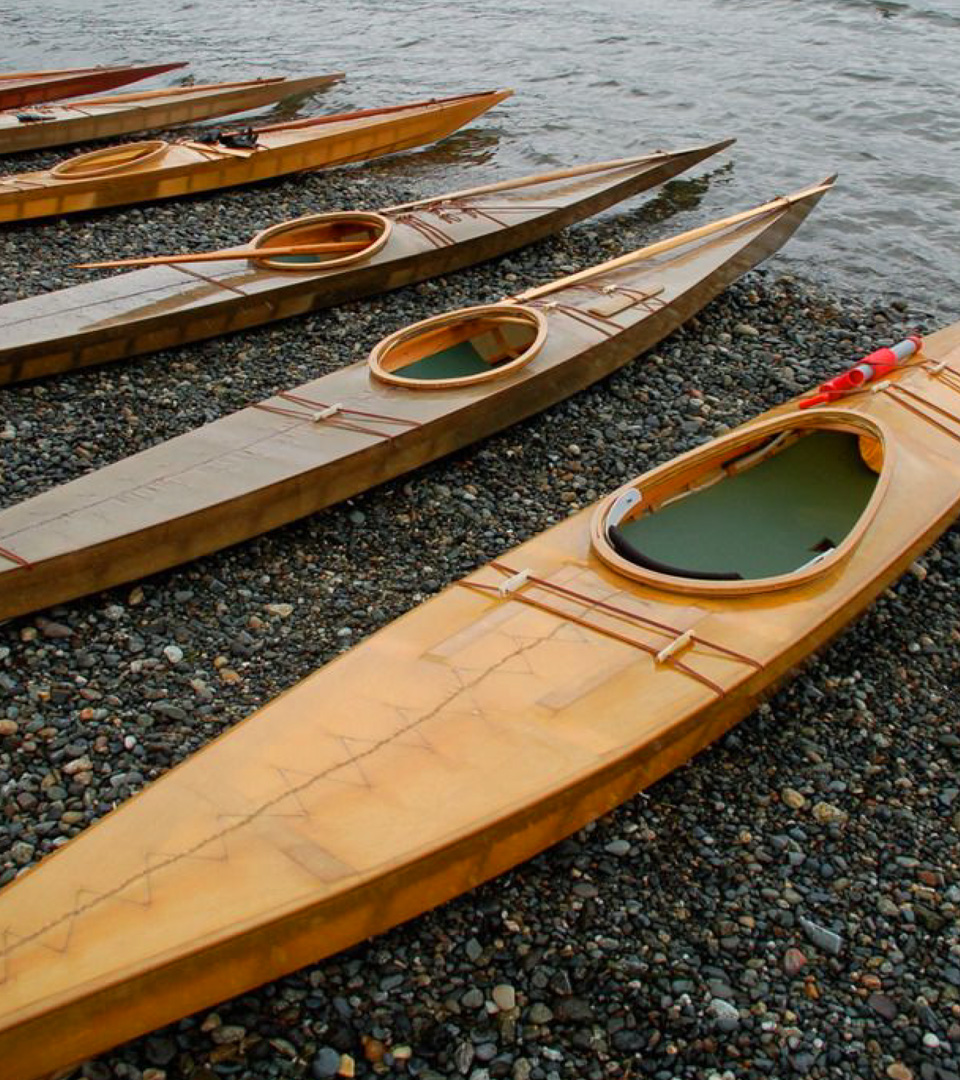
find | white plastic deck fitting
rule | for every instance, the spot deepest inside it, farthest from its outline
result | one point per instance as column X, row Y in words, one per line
column 675, row 646
column 512, row 583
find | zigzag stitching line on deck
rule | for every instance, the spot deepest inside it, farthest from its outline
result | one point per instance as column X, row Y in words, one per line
column 141, row 489
column 252, row 815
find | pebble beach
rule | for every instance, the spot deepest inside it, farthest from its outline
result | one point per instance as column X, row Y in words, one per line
column 788, row 904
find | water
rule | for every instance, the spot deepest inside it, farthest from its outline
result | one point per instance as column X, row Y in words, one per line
column 867, row 88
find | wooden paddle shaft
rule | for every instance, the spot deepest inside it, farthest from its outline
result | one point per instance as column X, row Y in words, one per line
column 331, row 248
column 674, row 242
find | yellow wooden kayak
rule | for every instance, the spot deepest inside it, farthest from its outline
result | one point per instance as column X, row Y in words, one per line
column 428, row 390
column 500, row 716
column 87, row 119
column 145, row 171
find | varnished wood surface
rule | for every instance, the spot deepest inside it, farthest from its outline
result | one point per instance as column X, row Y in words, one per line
column 257, row 469
column 188, row 167
column 31, row 87
column 88, row 119
column 146, row 310
column 453, row 744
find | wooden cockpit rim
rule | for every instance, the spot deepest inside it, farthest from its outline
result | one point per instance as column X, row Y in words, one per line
column 359, row 217
column 832, row 420
column 533, row 317
column 132, row 155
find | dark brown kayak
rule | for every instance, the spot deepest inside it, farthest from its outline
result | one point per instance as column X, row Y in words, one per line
column 30, row 87
column 427, row 390
column 161, row 306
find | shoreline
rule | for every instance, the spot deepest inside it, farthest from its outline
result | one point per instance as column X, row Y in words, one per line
column 657, row 938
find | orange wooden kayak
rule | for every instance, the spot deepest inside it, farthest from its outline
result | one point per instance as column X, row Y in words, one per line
column 163, row 306
column 30, row 87
column 429, row 389
column 500, row 716
column 88, row 119
column 145, row 171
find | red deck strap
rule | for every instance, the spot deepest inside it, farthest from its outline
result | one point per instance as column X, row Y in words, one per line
column 6, row 553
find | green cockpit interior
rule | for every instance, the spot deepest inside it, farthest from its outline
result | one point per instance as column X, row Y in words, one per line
column 769, row 519
column 472, row 348
column 358, row 234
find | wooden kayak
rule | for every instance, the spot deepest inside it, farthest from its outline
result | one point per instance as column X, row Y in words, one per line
column 162, row 306
column 144, row 171
column 88, row 119
column 427, row 390
column 30, row 87
column 497, row 718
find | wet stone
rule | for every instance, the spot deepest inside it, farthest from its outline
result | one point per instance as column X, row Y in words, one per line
column 883, row 1006
column 826, row 940
column 326, row 1064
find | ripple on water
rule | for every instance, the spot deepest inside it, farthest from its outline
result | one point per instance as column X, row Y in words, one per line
column 806, row 88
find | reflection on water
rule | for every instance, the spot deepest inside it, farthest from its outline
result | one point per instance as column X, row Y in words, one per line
column 473, row 147
column 807, row 89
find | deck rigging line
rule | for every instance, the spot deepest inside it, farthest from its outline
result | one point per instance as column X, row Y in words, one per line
column 606, row 326
column 650, row 300
column 451, row 211
column 22, row 563
column 184, row 269
column 893, row 392
column 319, row 407
column 624, row 614
column 593, row 320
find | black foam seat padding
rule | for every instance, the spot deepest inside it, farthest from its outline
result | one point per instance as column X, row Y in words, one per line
column 623, row 547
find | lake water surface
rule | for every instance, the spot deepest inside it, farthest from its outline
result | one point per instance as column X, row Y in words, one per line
column 866, row 88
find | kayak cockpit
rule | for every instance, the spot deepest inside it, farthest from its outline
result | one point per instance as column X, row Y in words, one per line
column 329, row 240
column 461, row 348
column 750, row 516
column 111, row 161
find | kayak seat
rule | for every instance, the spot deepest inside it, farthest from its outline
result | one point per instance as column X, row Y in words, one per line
column 622, row 546
column 770, row 519
column 451, row 363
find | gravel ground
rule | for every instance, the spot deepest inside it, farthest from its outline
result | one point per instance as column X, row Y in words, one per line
column 787, row 905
